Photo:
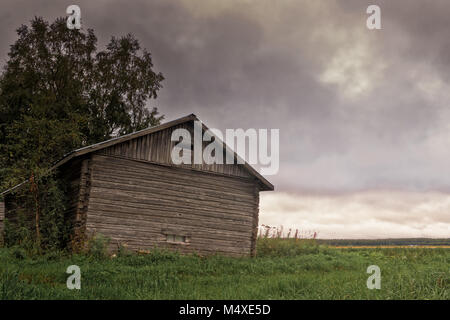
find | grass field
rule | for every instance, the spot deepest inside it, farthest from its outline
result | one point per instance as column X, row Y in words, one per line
column 283, row 269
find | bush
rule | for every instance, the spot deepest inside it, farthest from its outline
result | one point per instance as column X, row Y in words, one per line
column 98, row 246
column 123, row 251
column 49, row 199
column 19, row 253
column 54, row 226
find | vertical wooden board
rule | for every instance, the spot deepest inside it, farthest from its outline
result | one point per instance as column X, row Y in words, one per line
column 137, row 141
column 153, row 148
column 169, row 155
column 140, row 143
column 160, row 148
column 164, row 142
column 146, row 148
column 157, row 147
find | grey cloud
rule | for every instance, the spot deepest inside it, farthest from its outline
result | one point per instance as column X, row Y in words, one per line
column 357, row 109
column 369, row 214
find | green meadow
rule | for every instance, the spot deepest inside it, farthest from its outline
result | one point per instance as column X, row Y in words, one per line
column 283, row 269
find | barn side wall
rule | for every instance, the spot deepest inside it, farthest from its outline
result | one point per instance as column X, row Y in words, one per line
column 139, row 204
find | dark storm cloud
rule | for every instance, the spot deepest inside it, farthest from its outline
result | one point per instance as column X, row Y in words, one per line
column 364, row 115
column 357, row 109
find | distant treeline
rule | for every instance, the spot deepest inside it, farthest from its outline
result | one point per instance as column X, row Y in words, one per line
column 386, row 242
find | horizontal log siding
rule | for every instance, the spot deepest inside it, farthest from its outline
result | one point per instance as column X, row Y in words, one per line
column 136, row 203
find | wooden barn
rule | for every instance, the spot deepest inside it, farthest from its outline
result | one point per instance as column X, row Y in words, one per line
column 129, row 190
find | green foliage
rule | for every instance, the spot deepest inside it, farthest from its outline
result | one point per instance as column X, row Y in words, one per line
column 54, row 226
column 58, row 93
column 19, row 253
column 123, row 251
column 330, row 273
column 287, row 247
column 20, row 232
column 98, row 246
column 11, row 287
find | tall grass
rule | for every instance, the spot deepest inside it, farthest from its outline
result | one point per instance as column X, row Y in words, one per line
column 283, row 269
column 283, row 247
column 266, row 231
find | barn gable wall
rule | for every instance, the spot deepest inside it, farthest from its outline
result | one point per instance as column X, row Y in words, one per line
column 157, row 147
column 140, row 203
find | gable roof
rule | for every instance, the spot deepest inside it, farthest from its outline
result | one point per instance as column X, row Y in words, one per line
column 101, row 145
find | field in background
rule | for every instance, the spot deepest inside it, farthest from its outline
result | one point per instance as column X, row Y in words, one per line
column 281, row 232
column 283, row 269
column 388, row 243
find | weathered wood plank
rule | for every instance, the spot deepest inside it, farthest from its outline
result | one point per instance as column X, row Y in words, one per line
column 166, row 199
column 146, row 241
column 121, row 164
column 207, row 196
column 154, row 232
column 133, row 202
column 118, row 204
column 131, row 218
column 182, row 185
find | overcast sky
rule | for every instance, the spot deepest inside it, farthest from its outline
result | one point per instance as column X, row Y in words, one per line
column 364, row 115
